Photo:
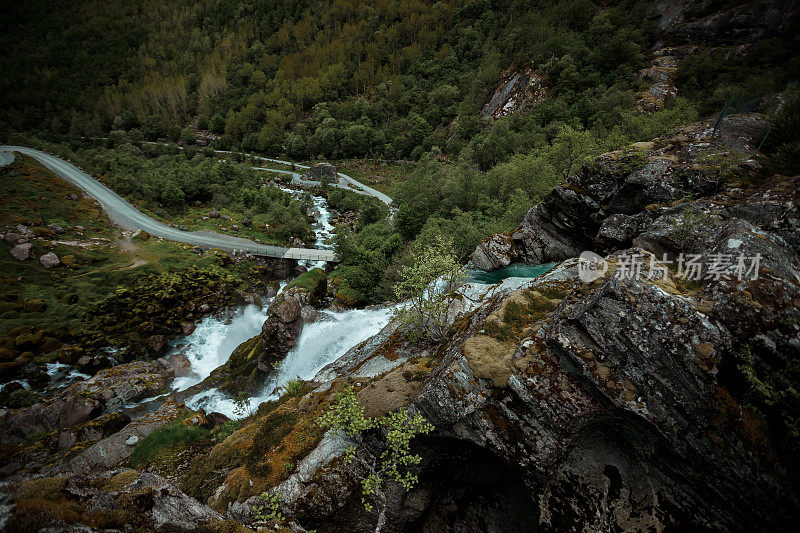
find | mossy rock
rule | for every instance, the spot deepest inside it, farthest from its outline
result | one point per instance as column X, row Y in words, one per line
column 6, row 354
column 313, row 282
column 35, row 306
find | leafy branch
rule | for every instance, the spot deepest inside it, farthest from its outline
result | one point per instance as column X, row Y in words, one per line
column 387, row 459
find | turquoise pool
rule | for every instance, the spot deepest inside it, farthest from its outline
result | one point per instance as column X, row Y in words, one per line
column 514, row 270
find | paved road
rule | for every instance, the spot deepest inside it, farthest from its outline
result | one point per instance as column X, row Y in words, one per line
column 6, row 158
column 127, row 216
column 344, row 180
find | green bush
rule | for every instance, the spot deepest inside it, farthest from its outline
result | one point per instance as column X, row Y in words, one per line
column 293, row 387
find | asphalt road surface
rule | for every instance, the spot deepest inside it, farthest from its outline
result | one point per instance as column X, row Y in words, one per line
column 127, row 216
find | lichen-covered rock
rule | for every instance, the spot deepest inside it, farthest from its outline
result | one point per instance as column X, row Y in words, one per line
column 111, row 451
column 492, row 253
column 109, row 390
column 612, row 199
column 117, row 499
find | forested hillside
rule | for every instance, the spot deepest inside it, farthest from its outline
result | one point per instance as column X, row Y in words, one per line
column 311, row 79
column 341, row 78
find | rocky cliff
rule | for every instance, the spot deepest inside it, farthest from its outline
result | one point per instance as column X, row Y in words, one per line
column 638, row 398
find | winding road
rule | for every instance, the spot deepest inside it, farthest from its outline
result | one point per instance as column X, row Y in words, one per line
column 127, row 216
column 345, row 181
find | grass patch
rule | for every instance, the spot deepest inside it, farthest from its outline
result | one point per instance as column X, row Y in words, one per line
column 174, row 433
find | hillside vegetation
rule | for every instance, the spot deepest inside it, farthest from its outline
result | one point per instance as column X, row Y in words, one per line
column 310, row 79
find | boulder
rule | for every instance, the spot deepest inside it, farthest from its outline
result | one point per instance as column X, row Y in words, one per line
column 181, row 364
column 157, row 344
column 225, row 217
column 7, row 355
column 322, row 172
column 216, row 418
column 288, row 310
column 55, row 228
column 187, row 328
column 49, row 260
column 493, row 253
column 14, row 238
column 213, row 214
column 25, row 231
column 22, row 252
column 246, row 222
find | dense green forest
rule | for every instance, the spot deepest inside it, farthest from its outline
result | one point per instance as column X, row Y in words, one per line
column 334, row 79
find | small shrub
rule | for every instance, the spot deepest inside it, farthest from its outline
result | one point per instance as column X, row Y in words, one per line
column 394, row 458
column 293, row 387
column 268, row 508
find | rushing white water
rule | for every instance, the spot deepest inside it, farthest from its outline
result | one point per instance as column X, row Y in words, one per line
column 213, row 341
column 320, row 343
column 323, row 227
column 61, row 374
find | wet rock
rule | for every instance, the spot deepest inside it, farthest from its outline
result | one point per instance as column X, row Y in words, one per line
column 49, row 260
column 276, row 268
column 308, row 314
column 69, row 354
column 288, row 310
column 245, row 298
column 187, row 328
column 91, row 365
column 180, row 362
column 22, row 252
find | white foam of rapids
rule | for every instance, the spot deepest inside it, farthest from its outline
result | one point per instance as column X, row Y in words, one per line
column 213, row 341
column 320, row 344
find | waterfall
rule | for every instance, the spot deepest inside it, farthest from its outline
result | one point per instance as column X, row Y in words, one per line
column 213, row 341
column 320, row 343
